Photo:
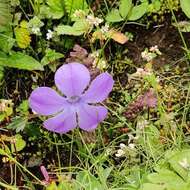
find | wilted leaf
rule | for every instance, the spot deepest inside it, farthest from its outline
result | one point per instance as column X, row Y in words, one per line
column 118, row 36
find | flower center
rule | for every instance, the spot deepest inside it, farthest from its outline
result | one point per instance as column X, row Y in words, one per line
column 73, row 99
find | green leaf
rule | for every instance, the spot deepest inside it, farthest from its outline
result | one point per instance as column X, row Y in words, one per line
column 150, row 186
column 71, row 5
column 22, row 35
column 176, row 158
column 19, row 143
column 125, row 7
column 114, row 16
column 78, row 28
column 51, row 56
column 6, row 41
column 185, row 5
column 56, row 8
column 5, row 14
column 87, row 181
column 2, row 152
column 138, row 11
column 18, row 123
column 20, row 61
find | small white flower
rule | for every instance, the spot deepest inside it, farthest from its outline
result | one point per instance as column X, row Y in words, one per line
column 155, row 50
column 184, row 163
column 101, row 64
column 131, row 138
column 141, row 124
column 105, row 28
column 131, row 146
column 35, row 30
column 122, row 146
column 141, row 73
column 148, row 56
column 49, row 35
column 120, row 153
column 94, row 20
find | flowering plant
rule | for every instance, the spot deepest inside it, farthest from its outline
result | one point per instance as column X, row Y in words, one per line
column 78, row 106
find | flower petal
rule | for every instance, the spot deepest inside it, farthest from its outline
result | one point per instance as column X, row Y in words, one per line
column 99, row 89
column 46, row 101
column 71, row 79
column 62, row 123
column 89, row 116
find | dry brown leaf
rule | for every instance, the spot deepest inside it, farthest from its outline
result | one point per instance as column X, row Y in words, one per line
column 118, row 36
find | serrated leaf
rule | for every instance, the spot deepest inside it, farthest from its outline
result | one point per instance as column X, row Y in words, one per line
column 18, row 124
column 71, row 6
column 138, row 11
column 125, row 7
column 114, row 16
column 22, row 35
column 51, row 56
column 20, row 61
column 185, row 5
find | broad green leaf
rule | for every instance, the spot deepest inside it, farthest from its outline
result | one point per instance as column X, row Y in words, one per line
column 56, row 8
column 185, row 5
column 177, row 159
column 125, row 7
column 87, row 181
column 78, row 28
column 114, row 16
column 51, row 56
column 165, row 176
column 19, row 143
column 138, row 11
column 150, row 186
column 20, row 61
column 71, row 6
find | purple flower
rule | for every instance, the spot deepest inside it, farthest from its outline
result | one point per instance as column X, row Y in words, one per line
column 79, row 106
